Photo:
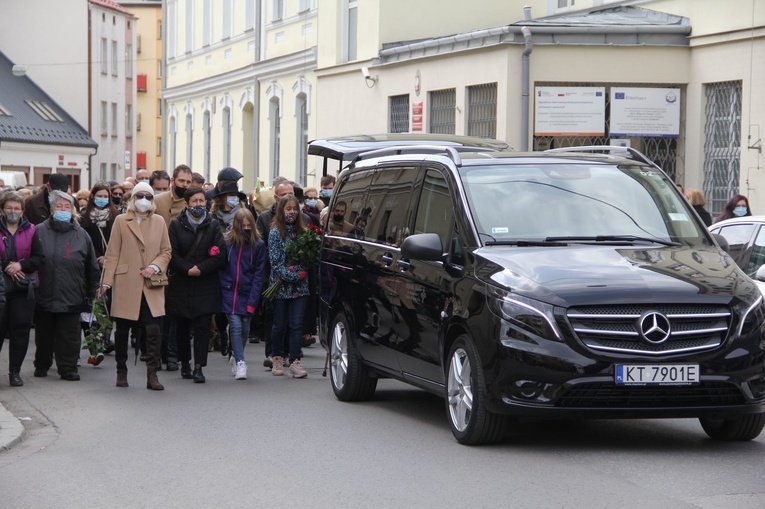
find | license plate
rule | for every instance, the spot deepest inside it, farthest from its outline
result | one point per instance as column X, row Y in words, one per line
column 657, row 374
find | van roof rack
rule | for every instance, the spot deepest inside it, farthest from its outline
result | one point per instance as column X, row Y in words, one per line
column 628, row 152
column 451, row 152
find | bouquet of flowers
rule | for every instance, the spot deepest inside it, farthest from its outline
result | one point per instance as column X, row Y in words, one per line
column 97, row 335
column 303, row 250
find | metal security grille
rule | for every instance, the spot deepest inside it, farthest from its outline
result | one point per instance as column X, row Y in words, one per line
column 482, row 110
column 662, row 151
column 399, row 113
column 722, row 143
column 442, row 107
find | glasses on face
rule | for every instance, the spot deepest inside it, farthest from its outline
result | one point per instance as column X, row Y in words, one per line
column 117, row 195
column 141, row 196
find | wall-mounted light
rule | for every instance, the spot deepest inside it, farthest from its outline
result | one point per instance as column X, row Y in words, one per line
column 19, row 70
column 370, row 80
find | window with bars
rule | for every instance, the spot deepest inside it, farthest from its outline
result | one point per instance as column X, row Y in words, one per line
column 399, row 113
column 482, row 110
column 722, row 143
column 441, row 119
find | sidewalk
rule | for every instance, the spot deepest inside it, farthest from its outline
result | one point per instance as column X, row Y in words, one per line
column 11, row 429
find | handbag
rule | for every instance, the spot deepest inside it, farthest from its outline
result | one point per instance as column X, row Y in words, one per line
column 12, row 285
column 157, row 281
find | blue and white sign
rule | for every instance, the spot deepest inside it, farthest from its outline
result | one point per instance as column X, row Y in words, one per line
column 570, row 111
column 650, row 112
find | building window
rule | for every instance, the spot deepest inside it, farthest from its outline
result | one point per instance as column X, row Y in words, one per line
column 189, row 26
column 304, row 5
column 350, row 30
column 115, row 58
column 275, row 137
column 173, row 139
column 443, row 104
column 249, row 14
column 566, row 4
column 301, row 107
column 160, row 69
column 189, row 138
column 171, row 24
column 207, row 128
column 226, row 136
column 102, row 172
column 226, row 19
column 104, row 57
column 104, row 118
column 115, row 124
column 277, row 10
column 206, row 22
column 128, row 121
column 159, row 29
column 129, row 61
column 722, row 143
column 399, row 113
column 159, row 108
column 482, row 110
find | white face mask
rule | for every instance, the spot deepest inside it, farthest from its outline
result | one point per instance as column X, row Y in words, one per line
column 232, row 201
column 142, row 205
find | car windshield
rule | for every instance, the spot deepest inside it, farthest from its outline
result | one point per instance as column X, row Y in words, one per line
column 591, row 202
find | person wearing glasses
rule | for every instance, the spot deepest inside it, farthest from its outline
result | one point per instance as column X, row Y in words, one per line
column 139, row 247
column 117, row 192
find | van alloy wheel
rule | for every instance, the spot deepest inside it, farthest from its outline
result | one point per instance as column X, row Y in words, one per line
column 466, row 400
column 350, row 379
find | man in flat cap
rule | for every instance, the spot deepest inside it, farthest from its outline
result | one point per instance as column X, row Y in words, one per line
column 37, row 206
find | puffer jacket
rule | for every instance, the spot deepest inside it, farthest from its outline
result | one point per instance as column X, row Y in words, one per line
column 241, row 281
column 69, row 275
column 292, row 286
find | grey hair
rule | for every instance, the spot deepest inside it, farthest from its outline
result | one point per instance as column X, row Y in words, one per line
column 279, row 180
column 56, row 196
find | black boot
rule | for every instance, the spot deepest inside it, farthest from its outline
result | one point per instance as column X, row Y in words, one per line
column 199, row 377
column 15, row 379
column 121, row 355
column 152, row 342
column 186, row 370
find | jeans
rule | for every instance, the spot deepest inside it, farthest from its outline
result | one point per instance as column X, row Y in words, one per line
column 238, row 330
column 288, row 324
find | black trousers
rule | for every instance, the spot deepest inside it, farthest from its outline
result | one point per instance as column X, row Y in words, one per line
column 15, row 323
column 57, row 334
column 201, row 327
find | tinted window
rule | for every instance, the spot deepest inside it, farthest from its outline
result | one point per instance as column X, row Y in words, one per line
column 757, row 257
column 738, row 236
column 435, row 212
column 353, row 192
column 387, row 207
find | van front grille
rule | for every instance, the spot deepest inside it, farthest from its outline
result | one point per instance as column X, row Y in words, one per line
column 609, row 395
column 639, row 330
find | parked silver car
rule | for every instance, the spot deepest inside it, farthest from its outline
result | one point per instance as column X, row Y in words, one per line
column 746, row 244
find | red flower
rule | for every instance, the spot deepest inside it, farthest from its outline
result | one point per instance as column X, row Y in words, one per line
column 315, row 229
column 213, row 251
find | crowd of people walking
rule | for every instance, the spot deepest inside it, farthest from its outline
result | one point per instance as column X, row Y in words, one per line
column 178, row 266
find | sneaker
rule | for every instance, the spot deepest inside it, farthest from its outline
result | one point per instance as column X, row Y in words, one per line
column 268, row 363
column 297, row 370
column 278, row 367
column 241, row 371
column 98, row 359
column 233, row 363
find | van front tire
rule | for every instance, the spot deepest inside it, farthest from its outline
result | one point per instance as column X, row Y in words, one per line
column 470, row 421
column 743, row 429
column 350, row 380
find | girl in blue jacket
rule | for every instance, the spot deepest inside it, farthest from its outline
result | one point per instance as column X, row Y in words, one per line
column 241, row 282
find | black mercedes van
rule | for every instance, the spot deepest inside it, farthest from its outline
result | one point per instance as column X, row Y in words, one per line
column 535, row 286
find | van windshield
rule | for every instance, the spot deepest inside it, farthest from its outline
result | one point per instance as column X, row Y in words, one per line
column 545, row 201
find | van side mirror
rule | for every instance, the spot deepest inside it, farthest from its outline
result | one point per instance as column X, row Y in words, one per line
column 423, row 246
column 722, row 241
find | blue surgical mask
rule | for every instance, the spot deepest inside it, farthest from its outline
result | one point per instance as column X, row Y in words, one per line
column 325, row 193
column 312, row 203
column 146, row 181
column 232, row 201
column 739, row 211
column 63, row 216
column 101, row 202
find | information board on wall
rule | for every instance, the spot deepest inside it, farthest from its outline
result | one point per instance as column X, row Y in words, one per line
column 570, row 111
column 653, row 112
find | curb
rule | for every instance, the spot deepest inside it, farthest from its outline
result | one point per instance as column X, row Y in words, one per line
column 11, row 429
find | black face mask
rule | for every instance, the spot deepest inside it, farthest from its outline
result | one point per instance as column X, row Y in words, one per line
column 179, row 191
column 337, row 218
column 117, row 200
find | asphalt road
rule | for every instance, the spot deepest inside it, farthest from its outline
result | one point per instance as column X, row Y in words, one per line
column 279, row 442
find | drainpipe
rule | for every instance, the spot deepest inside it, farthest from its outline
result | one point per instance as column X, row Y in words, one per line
column 525, row 88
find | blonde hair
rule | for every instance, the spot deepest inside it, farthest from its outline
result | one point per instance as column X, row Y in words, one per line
column 695, row 197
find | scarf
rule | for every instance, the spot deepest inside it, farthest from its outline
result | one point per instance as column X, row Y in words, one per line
column 99, row 217
column 227, row 217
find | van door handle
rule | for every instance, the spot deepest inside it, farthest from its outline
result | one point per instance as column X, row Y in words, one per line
column 386, row 259
column 403, row 264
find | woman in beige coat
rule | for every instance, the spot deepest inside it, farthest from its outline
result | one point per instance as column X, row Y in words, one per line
column 139, row 247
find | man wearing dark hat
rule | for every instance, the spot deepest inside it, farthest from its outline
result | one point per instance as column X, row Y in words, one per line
column 227, row 174
column 37, row 206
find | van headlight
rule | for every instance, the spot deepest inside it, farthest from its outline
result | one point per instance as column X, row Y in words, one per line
column 751, row 318
column 527, row 316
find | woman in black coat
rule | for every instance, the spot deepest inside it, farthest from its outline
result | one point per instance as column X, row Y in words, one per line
column 193, row 296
